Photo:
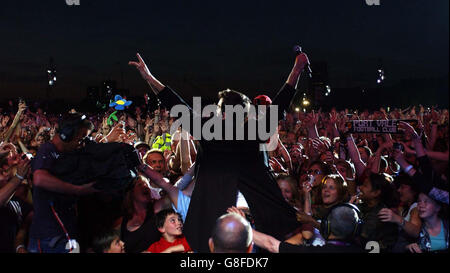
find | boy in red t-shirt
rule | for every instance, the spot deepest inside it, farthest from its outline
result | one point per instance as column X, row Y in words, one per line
column 169, row 223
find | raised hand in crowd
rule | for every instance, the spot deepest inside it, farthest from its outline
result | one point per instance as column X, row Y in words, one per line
column 117, row 133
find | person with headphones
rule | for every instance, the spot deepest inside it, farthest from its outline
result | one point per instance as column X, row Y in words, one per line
column 53, row 228
column 339, row 228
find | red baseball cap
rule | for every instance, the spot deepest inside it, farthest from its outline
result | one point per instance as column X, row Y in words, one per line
column 262, row 100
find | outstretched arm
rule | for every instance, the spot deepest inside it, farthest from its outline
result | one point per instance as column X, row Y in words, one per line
column 158, row 179
column 284, row 97
column 300, row 62
column 22, row 107
column 154, row 84
column 8, row 190
column 355, row 156
column 169, row 97
column 286, row 156
column 266, row 241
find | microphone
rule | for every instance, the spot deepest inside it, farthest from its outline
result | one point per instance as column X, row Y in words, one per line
column 298, row 51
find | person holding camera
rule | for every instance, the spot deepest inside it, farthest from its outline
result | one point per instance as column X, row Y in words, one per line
column 53, row 228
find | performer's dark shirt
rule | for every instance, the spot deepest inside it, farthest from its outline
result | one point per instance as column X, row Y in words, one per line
column 225, row 166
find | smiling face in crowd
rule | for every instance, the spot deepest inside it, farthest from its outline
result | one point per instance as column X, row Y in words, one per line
column 330, row 192
column 156, row 161
column 427, row 207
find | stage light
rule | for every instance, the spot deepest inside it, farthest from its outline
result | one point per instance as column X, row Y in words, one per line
column 305, row 102
column 297, row 109
column 381, row 76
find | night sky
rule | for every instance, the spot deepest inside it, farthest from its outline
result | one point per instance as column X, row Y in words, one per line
column 200, row 47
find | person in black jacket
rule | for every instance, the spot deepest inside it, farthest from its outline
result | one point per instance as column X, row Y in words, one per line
column 224, row 167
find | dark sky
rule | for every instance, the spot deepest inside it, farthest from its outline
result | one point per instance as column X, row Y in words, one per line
column 204, row 45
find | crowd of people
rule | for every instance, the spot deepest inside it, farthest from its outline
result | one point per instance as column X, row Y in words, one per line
column 391, row 189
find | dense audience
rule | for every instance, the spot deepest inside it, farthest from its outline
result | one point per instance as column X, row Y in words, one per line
column 399, row 182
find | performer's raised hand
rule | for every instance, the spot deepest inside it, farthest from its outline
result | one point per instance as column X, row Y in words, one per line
column 141, row 67
column 301, row 61
column 155, row 85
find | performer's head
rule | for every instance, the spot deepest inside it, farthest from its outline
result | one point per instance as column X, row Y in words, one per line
column 233, row 98
column 231, row 234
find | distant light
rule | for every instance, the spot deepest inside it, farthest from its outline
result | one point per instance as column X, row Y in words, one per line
column 54, row 78
column 326, row 94
column 305, row 102
column 380, row 75
column 297, row 109
column 50, row 82
column 49, row 71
